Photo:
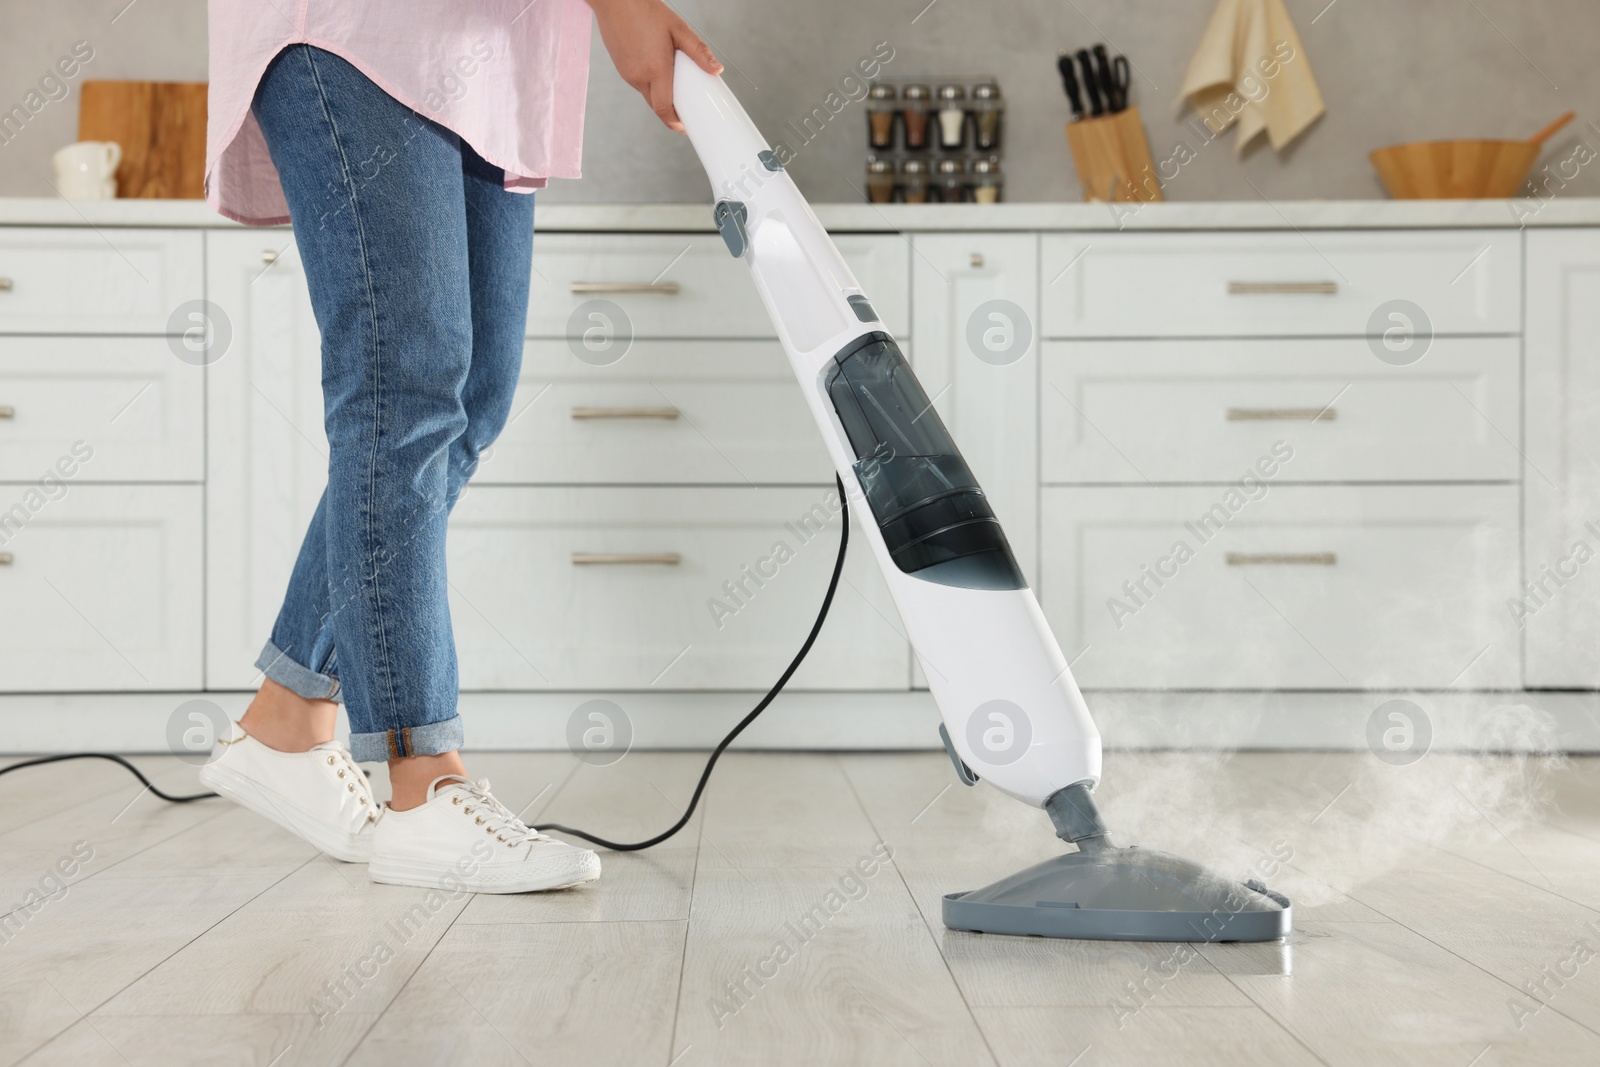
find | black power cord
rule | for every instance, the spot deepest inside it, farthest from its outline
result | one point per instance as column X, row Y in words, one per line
column 114, row 758
column 705, row 776
column 794, row 665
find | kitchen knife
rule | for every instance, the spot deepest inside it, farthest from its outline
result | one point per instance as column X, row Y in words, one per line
column 1069, row 82
column 1091, row 83
column 1102, row 74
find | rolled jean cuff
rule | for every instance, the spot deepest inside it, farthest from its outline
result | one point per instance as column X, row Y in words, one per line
column 296, row 677
column 430, row 739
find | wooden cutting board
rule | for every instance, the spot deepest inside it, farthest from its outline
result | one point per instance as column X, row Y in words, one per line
column 161, row 127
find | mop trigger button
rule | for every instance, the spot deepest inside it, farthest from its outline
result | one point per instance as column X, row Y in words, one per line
column 731, row 218
column 769, row 159
column 862, row 307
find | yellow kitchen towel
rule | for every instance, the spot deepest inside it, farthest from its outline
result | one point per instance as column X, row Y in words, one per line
column 1251, row 69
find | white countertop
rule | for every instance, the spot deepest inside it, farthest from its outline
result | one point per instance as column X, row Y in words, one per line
column 1207, row 215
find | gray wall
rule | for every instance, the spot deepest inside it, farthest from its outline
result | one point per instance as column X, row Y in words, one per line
column 1390, row 70
column 154, row 40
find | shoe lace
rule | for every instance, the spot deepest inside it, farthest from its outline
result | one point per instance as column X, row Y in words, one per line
column 343, row 764
column 496, row 818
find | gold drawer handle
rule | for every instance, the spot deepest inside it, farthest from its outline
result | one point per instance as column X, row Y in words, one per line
column 5, row 285
column 624, row 413
column 1272, row 288
column 583, row 559
column 1297, row 559
column 5, row 559
column 1281, row 414
column 669, row 288
column 7, row 411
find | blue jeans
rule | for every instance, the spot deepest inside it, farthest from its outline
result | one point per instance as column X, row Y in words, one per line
column 417, row 260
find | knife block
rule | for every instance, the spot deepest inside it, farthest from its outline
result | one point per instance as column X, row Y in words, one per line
column 1112, row 155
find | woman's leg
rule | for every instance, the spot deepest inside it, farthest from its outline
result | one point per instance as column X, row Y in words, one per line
column 376, row 194
column 500, row 262
column 500, row 249
column 500, row 258
column 381, row 207
column 297, row 706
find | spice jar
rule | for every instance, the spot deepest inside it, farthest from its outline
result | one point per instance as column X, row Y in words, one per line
column 914, row 181
column 880, row 180
column 914, row 116
column 952, row 182
column 880, row 116
column 952, row 117
column 986, row 112
column 986, row 180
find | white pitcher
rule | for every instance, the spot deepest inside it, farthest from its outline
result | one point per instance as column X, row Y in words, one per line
column 88, row 170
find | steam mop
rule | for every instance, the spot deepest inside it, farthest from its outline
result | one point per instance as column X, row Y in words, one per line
column 1012, row 714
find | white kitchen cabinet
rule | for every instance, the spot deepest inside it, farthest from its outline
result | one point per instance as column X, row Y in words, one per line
column 1302, row 587
column 680, row 412
column 1205, row 410
column 662, row 588
column 136, row 408
column 975, row 349
column 1559, row 604
column 1285, row 284
column 77, row 280
column 101, row 587
column 267, row 455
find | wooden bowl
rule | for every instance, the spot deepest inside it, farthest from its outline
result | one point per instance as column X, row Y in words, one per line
column 1460, row 170
column 1454, row 170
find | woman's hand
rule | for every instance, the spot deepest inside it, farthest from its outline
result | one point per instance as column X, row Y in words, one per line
column 642, row 36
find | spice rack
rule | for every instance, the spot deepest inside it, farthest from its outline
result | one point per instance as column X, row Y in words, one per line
column 934, row 140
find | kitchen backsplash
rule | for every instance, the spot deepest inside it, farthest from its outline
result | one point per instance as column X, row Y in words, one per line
column 1391, row 72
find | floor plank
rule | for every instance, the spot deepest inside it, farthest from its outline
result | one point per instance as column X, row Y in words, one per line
column 63, row 822
column 811, row 965
column 325, row 937
column 209, row 1040
column 536, row 994
column 1361, row 993
column 31, row 792
column 84, row 947
column 1091, row 1037
column 782, row 809
column 1514, row 931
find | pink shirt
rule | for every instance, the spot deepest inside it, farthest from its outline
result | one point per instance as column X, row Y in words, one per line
column 507, row 76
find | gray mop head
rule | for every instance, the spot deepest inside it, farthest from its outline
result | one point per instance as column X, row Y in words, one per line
column 1104, row 893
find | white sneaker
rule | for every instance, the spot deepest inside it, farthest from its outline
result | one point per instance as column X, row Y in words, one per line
column 321, row 795
column 463, row 838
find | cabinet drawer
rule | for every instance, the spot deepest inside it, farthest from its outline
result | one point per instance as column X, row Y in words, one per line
column 1278, row 284
column 1206, row 411
column 696, row 412
column 86, row 280
column 101, row 587
column 530, row 613
column 1305, row 587
column 137, row 410
column 686, row 285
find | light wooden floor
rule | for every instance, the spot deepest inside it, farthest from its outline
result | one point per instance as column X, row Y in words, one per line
column 1426, row 897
